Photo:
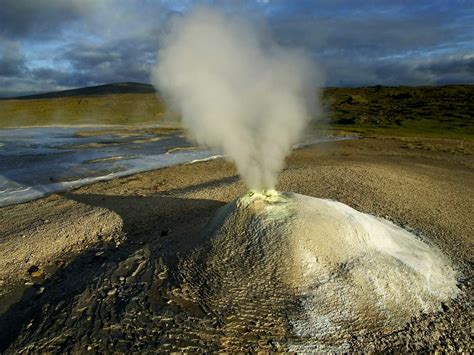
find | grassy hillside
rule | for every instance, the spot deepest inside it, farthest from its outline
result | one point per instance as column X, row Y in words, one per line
column 443, row 111
column 104, row 109
column 446, row 111
column 108, row 104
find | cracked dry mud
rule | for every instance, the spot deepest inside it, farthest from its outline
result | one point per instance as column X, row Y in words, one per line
column 130, row 281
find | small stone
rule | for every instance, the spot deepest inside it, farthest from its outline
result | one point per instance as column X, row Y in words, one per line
column 112, row 292
column 274, row 344
column 32, row 269
column 37, row 275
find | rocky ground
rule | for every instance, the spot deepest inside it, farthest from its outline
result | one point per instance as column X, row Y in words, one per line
column 103, row 267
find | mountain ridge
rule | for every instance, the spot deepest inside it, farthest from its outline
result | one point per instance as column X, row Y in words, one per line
column 128, row 87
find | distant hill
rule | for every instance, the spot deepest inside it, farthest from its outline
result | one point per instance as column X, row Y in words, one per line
column 443, row 111
column 112, row 104
column 107, row 89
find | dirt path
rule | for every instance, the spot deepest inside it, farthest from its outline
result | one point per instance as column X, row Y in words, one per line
column 100, row 267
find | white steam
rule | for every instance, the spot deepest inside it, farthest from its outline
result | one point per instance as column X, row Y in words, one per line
column 236, row 90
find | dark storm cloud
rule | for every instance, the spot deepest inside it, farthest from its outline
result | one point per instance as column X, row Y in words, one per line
column 381, row 42
column 12, row 62
column 413, row 71
column 449, row 70
column 124, row 52
column 76, row 43
column 41, row 18
column 379, row 35
column 450, row 66
column 121, row 60
column 53, row 76
column 59, row 44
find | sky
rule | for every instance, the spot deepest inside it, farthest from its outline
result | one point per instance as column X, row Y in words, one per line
column 49, row 45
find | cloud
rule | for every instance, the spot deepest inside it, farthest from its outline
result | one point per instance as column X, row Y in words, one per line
column 121, row 60
column 438, row 70
column 42, row 18
column 48, row 44
column 454, row 68
column 12, row 61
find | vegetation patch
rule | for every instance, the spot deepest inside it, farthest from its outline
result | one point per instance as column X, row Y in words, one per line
column 430, row 111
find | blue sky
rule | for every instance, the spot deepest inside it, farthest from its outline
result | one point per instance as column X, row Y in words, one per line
column 48, row 45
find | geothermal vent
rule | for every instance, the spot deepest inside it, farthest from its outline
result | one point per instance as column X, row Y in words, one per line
column 313, row 271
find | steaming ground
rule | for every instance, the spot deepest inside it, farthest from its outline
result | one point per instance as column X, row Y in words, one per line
column 347, row 270
column 125, row 277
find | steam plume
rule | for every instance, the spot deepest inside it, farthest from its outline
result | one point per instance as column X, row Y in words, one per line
column 237, row 90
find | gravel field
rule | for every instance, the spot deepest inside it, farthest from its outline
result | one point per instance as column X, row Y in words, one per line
column 103, row 267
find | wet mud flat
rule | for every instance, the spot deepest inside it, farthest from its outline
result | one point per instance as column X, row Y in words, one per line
column 37, row 161
column 111, row 270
